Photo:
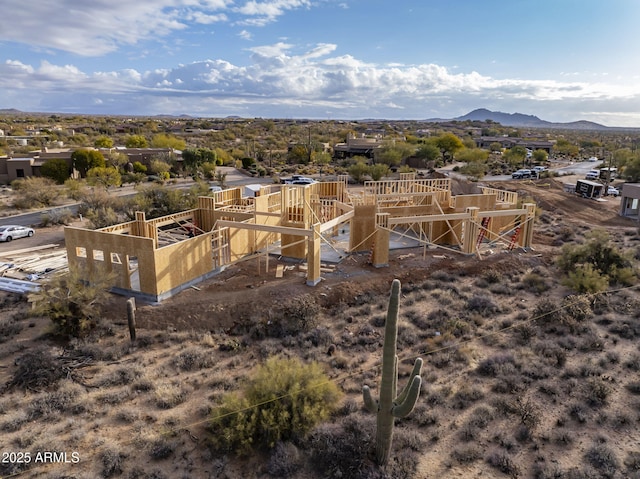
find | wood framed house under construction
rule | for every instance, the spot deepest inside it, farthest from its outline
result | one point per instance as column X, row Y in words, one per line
column 156, row 258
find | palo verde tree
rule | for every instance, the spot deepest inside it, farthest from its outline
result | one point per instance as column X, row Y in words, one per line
column 285, row 398
column 596, row 264
column 391, row 405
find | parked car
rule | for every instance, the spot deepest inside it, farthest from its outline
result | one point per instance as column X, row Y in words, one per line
column 612, row 191
column 593, row 159
column 214, row 188
column 521, row 174
column 539, row 169
column 11, row 232
column 299, row 180
column 592, row 175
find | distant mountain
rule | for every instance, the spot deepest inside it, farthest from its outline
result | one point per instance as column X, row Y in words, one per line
column 531, row 121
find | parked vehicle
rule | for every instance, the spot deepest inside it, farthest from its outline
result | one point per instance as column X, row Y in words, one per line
column 299, row 180
column 589, row 189
column 520, row 174
column 539, row 169
column 593, row 159
column 612, row 191
column 11, row 232
column 592, row 175
column 214, row 188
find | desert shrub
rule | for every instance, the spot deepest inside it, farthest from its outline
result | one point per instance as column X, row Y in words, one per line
column 342, row 450
column 34, row 192
column 72, row 304
column 482, row 305
column 57, row 216
column 603, row 459
column 285, row 460
column 501, row 461
column 56, row 402
column 577, row 307
column 193, row 359
column 168, row 395
column 161, row 449
column 596, row 392
column 112, row 461
column 284, row 399
column 9, row 328
column 633, row 387
column 535, row 283
column 466, row 454
column 465, row 396
column 36, row 370
column 497, row 365
column 298, row 315
column 632, row 461
column 594, row 265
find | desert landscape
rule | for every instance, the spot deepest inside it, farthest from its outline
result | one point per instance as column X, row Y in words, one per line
column 523, row 376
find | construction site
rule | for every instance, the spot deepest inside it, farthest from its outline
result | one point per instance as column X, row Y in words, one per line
column 311, row 226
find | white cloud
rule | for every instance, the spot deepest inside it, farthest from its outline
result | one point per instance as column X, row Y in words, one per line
column 97, row 27
column 280, row 83
column 245, row 35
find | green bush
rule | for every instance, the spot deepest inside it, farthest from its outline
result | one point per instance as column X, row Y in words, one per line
column 284, row 399
column 595, row 265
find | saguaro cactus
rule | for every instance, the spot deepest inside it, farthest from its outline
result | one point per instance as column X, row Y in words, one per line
column 389, row 406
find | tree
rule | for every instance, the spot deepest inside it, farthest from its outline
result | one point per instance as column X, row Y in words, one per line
column 136, row 141
column 103, row 142
column 449, row 144
column 162, row 140
column 394, row 153
column 515, row 156
column 596, row 264
column 71, row 301
column 83, row 160
column 116, row 159
column 139, row 167
column 428, row 153
column 378, row 171
column 192, row 158
column 299, row 154
column 284, row 399
column 476, row 155
column 565, row 147
column 540, row 156
column 358, row 171
column 160, row 168
column 56, row 169
column 105, row 177
column 321, row 158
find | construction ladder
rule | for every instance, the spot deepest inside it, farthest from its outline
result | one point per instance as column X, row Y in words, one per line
column 514, row 238
column 483, row 230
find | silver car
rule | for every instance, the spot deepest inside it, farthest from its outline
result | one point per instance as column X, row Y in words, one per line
column 11, row 232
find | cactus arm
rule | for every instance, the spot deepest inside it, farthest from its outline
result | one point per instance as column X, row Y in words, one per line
column 417, row 369
column 370, row 403
column 402, row 409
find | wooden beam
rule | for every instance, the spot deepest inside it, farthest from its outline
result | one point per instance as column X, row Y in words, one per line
column 496, row 213
column 400, row 220
column 336, row 221
column 267, row 228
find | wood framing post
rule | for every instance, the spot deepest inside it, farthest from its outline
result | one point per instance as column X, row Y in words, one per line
column 470, row 227
column 380, row 253
column 313, row 256
column 526, row 236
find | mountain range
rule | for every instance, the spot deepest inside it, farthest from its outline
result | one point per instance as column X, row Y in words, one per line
column 531, row 121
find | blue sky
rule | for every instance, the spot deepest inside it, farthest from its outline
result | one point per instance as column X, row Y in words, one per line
column 562, row 60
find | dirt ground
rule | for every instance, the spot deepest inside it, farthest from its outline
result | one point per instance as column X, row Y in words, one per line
column 120, row 417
